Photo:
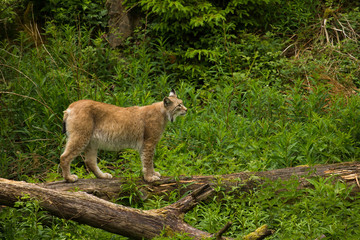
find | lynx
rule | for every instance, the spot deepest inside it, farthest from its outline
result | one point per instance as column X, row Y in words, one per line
column 92, row 125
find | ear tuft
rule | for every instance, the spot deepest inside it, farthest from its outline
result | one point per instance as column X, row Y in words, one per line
column 172, row 93
column 167, row 102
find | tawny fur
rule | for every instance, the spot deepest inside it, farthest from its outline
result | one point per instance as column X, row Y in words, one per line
column 92, row 125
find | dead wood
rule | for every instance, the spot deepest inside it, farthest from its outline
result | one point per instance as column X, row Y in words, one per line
column 348, row 172
column 62, row 199
column 134, row 223
column 90, row 210
column 259, row 233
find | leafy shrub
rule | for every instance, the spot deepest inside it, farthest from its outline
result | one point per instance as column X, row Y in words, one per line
column 75, row 13
column 295, row 214
column 8, row 17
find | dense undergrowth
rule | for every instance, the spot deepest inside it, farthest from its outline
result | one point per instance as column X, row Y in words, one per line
column 260, row 97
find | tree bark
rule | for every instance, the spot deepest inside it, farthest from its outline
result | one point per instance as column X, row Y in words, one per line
column 60, row 199
column 121, row 23
column 88, row 209
column 348, row 172
column 134, row 223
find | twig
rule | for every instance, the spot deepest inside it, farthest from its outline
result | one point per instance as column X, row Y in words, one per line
column 219, row 234
column 187, row 203
column 326, row 33
column 287, row 48
column 5, row 65
column 352, row 30
column 351, row 56
column 36, row 86
column 337, row 35
column 43, row 45
column 24, row 96
column 357, row 181
column 9, row 53
column 343, row 30
column 35, row 140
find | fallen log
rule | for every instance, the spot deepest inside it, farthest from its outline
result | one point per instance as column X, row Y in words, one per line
column 62, row 199
column 90, row 210
column 126, row 221
column 348, row 172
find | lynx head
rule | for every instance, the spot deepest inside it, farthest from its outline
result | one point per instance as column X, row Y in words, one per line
column 174, row 106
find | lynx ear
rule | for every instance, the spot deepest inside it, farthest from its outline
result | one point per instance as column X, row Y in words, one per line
column 167, row 101
column 172, row 93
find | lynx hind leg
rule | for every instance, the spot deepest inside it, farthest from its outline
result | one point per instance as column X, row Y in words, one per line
column 73, row 149
column 91, row 163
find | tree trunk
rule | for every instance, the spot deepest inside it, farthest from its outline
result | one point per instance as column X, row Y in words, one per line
column 121, row 23
column 88, row 209
column 113, row 188
column 126, row 221
column 60, row 199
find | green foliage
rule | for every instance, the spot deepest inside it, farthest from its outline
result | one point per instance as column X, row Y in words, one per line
column 64, row 74
column 194, row 17
column 327, row 209
column 8, row 17
column 250, row 108
column 299, row 15
column 75, row 13
column 7, row 10
column 28, row 221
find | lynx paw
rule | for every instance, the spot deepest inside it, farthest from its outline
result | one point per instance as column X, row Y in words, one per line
column 158, row 174
column 152, row 178
column 106, row 175
column 71, row 178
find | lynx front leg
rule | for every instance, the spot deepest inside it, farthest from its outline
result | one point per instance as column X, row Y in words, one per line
column 91, row 163
column 147, row 155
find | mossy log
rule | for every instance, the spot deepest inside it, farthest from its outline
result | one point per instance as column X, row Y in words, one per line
column 348, row 172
